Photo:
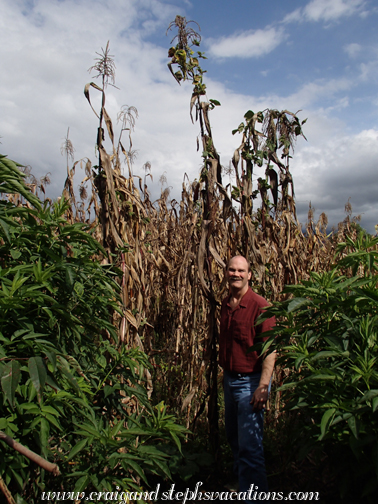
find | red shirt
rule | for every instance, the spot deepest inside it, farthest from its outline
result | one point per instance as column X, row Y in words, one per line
column 238, row 333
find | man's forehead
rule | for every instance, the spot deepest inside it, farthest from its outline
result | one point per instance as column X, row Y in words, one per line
column 239, row 261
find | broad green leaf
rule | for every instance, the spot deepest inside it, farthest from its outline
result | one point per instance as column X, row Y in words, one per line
column 51, row 410
column 151, row 450
column 5, row 228
column 37, row 270
column 16, row 254
column 94, row 480
column 101, row 359
column 52, row 420
column 108, row 390
column 77, row 448
column 163, row 467
column 82, row 483
column 64, row 368
column 38, row 373
column 122, row 455
column 70, row 276
column 320, row 377
column 12, row 427
column 176, row 440
column 10, row 380
column 52, row 358
column 134, row 432
column 34, row 423
column 33, row 335
column 116, row 428
column 89, row 429
column 31, row 408
column 369, row 395
column 44, row 435
column 375, row 404
column 287, row 386
column 50, row 382
column 353, row 425
column 79, row 289
column 326, row 421
column 20, row 500
column 299, row 361
column 17, row 476
column 128, row 464
column 325, row 354
column 297, row 303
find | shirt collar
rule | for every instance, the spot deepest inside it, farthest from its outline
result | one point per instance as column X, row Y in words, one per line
column 244, row 300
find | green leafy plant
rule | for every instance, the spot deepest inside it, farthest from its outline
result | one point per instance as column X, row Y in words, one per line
column 327, row 335
column 270, row 147
column 70, row 393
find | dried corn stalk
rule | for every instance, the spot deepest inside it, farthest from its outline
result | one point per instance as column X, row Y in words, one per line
column 172, row 257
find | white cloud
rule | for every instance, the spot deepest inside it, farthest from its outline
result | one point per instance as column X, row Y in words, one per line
column 294, row 16
column 249, row 44
column 367, row 57
column 45, row 55
column 312, row 92
column 339, row 167
column 312, row 95
column 330, row 167
column 47, row 50
column 369, row 70
column 326, row 10
column 353, row 50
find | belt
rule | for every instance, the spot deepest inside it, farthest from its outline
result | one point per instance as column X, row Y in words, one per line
column 235, row 374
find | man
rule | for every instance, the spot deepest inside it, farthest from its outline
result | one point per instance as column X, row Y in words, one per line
column 246, row 375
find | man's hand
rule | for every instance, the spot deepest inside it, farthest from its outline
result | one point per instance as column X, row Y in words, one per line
column 261, row 394
column 260, row 397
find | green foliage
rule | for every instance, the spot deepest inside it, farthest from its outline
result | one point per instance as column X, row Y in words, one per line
column 327, row 334
column 187, row 60
column 267, row 137
column 69, row 394
column 12, row 181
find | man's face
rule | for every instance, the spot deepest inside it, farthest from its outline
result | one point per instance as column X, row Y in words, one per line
column 237, row 273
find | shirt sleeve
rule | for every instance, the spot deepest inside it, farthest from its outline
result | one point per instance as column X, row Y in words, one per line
column 267, row 325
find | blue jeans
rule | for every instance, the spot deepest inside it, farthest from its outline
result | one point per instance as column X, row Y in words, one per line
column 244, row 430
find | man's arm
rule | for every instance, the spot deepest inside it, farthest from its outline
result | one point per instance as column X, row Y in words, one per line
column 260, row 396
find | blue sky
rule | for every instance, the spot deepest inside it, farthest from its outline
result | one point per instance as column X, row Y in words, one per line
column 317, row 56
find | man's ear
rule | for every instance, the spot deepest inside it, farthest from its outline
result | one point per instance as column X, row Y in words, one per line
column 249, row 275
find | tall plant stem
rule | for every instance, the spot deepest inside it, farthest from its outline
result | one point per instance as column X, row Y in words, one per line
column 6, row 492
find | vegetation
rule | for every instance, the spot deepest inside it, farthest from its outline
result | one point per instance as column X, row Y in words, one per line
column 172, row 255
column 109, row 302
column 327, row 336
column 71, row 393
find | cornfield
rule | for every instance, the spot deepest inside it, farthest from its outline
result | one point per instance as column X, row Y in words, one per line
column 172, row 255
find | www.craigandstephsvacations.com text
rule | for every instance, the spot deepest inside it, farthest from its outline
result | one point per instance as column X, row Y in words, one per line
column 122, row 497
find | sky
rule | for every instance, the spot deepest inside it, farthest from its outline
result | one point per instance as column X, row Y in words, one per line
column 319, row 57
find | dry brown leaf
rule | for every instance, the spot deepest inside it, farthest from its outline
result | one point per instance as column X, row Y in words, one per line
column 202, row 256
column 188, row 399
column 215, row 254
column 130, row 318
column 87, row 96
column 109, row 125
column 107, row 166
